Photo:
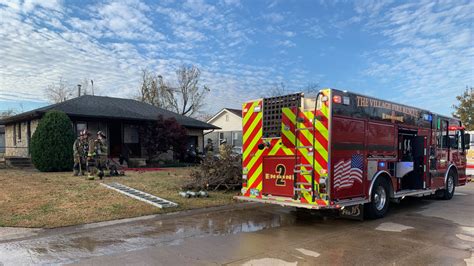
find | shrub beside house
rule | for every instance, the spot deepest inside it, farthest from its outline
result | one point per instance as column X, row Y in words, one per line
column 51, row 143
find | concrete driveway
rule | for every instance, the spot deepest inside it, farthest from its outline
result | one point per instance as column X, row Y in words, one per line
column 417, row 231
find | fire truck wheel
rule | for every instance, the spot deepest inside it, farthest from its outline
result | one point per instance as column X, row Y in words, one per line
column 378, row 206
column 448, row 192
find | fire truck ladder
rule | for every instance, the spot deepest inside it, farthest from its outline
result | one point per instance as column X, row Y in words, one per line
column 298, row 165
column 309, row 167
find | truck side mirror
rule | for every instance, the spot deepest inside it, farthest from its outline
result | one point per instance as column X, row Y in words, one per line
column 467, row 141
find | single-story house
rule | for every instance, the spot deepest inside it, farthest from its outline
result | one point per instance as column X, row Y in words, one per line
column 119, row 118
column 229, row 124
column 2, row 140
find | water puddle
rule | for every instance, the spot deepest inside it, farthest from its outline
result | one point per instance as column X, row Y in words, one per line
column 72, row 247
column 392, row 227
column 269, row 262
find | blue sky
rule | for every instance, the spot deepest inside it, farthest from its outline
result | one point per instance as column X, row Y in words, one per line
column 414, row 52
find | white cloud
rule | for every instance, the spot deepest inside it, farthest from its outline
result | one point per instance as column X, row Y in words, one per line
column 236, row 3
column 49, row 4
column 274, row 17
column 371, row 7
column 119, row 20
column 430, row 53
column 110, row 42
column 198, row 7
column 189, row 34
column 286, row 43
column 289, row 33
column 313, row 28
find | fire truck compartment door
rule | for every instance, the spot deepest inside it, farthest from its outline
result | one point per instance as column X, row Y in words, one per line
column 278, row 175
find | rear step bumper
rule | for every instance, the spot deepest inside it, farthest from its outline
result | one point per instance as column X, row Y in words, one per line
column 290, row 203
column 285, row 203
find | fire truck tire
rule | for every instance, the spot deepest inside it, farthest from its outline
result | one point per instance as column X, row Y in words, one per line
column 378, row 205
column 448, row 192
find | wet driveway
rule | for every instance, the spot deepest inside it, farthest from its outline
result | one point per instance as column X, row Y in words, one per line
column 417, row 231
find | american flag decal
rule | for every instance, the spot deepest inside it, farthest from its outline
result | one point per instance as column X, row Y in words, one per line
column 346, row 172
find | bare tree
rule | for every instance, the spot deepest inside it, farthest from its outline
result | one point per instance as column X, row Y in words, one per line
column 152, row 89
column 7, row 113
column 185, row 98
column 203, row 116
column 279, row 89
column 59, row 92
column 311, row 89
column 188, row 98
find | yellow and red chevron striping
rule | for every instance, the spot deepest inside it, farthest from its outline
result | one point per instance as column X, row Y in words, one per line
column 252, row 136
column 252, row 133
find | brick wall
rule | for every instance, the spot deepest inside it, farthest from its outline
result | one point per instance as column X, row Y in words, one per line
column 17, row 140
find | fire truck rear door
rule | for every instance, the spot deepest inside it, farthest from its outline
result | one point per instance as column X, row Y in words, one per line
column 278, row 175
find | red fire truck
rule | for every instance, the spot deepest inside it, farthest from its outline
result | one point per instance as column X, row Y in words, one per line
column 349, row 152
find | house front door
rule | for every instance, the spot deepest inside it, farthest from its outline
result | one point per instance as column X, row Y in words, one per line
column 115, row 139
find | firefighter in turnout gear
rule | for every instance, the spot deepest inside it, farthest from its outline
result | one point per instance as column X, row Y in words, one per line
column 101, row 151
column 78, row 153
column 91, row 159
column 97, row 156
column 85, row 151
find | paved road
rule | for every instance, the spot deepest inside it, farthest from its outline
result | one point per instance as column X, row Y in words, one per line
column 417, row 231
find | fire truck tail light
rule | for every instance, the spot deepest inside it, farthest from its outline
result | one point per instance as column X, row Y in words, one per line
column 245, row 170
column 322, row 186
column 257, row 109
column 323, row 172
column 324, row 99
column 337, row 99
column 244, row 177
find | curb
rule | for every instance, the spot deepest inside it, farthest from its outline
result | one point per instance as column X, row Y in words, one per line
column 41, row 232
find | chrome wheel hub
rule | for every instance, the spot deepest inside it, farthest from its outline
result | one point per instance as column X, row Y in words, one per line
column 450, row 185
column 380, row 198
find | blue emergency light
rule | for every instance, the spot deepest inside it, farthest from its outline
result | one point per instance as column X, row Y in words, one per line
column 428, row 117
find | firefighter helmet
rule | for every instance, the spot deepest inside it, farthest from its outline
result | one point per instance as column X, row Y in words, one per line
column 102, row 134
column 85, row 132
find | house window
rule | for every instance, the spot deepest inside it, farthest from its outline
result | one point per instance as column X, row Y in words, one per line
column 235, row 138
column 19, row 132
column 2, row 142
column 221, row 137
column 14, row 134
column 80, row 126
column 130, row 134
